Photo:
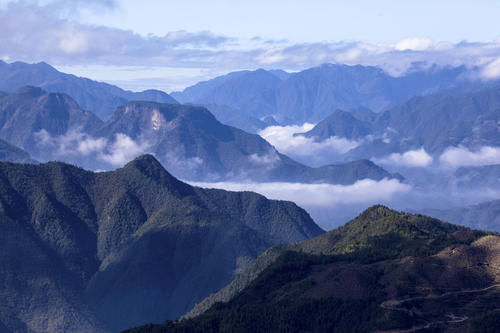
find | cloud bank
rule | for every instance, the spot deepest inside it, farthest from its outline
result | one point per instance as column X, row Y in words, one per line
column 364, row 191
column 412, row 158
column 77, row 146
column 455, row 157
column 306, row 149
column 35, row 31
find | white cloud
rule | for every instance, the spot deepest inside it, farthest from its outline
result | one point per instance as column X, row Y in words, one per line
column 411, row 158
column 491, row 70
column 455, row 157
column 414, row 44
column 267, row 161
column 366, row 191
column 122, row 150
column 75, row 145
column 73, row 142
column 298, row 146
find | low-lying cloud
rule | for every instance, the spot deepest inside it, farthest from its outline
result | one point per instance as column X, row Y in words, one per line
column 364, row 191
column 412, row 158
column 306, row 149
column 456, row 157
column 77, row 146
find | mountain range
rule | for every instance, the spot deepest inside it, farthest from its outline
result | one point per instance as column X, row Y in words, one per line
column 385, row 271
column 484, row 216
column 188, row 140
column 83, row 251
column 312, row 94
column 98, row 97
column 434, row 122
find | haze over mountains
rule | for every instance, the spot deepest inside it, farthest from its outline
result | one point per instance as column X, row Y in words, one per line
column 98, row 97
column 313, row 94
column 105, row 251
column 188, row 140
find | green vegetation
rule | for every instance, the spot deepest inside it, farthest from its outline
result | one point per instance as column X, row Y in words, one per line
column 340, row 281
column 121, row 248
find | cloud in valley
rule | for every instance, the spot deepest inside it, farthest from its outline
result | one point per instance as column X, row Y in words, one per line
column 455, row 157
column 411, row 158
column 77, row 146
column 365, row 191
column 298, row 146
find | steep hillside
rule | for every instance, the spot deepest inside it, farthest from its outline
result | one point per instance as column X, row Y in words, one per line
column 191, row 143
column 11, row 153
column 384, row 271
column 98, row 97
column 30, row 114
column 83, row 251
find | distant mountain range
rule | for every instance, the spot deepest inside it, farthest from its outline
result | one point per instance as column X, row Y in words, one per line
column 484, row 216
column 100, row 98
column 99, row 252
column 311, row 95
column 30, row 113
column 434, row 122
column 383, row 271
column 188, row 140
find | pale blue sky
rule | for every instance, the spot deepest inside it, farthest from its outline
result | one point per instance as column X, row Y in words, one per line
column 314, row 20
column 171, row 44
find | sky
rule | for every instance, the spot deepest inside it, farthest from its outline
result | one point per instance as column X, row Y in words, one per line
column 169, row 45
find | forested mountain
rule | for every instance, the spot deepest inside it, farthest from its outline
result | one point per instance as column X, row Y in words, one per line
column 83, row 251
column 382, row 271
column 100, row 98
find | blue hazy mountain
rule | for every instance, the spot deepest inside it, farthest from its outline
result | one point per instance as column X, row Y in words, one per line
column 434, row 122
column 484, row 216
column 100, row 98
column 30, row 113
column 311, row 95
column 193, row 145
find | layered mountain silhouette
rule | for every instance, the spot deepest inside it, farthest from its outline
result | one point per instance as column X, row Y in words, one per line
column 98, row 97
column 385, row 270
column 188, row 140
column 30, row 114
column 83, row 251
column 194, row 145
column 311, row 95
column 484, row 216
column 435, row 122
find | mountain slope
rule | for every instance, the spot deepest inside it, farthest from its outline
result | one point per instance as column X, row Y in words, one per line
column 191, row 143
column 29, row 115
column 382, row 271
column 98, row 97
column 83, row 251
column 11, row 153
column 484, row 216
column 436, row 122
column 341, row 124
column 311, row 95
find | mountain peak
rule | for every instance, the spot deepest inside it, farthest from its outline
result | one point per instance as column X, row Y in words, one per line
column 148, row 166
